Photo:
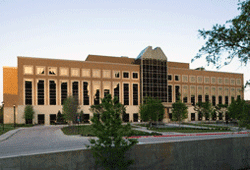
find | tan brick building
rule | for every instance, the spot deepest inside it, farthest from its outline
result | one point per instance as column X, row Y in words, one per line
column 45, row 83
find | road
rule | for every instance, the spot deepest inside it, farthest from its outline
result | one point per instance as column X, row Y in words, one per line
column 44, row 139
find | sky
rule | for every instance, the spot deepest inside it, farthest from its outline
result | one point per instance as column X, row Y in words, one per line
column 63, row 29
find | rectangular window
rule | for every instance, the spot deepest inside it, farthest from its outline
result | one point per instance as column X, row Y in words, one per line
column 176, row 78
column 177, row 93
column 126, row 94
column 85, row 72
column 52, row 71
column 64, row 91
column 170, row 94
column 63, row 71
column 199, row 98
column 96, row 92
column 96, row 73
column 27, row 69
column 85, row 93
column 40, row 70
column 185, row 99
column 75, row 72
column 232, row 98
column 213, row 100
column 220, row 99
column 135, row 94
column 199, row 79
column 135, row 75
column 106, row 74
column 75, row 90
column 226, row 100
column 169, row 77
column 28, row 92
column 206, row 98
column 117, row 91
column 125, row 75
column 184, row 78
column 40, row 92
column 116, row 74
column 52, row 92
column 193, row 100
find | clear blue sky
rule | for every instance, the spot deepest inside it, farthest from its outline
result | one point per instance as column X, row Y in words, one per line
column 73, row 29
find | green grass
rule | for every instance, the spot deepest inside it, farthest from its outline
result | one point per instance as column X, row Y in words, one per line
column 186, row 130
column 8, row 127
column 87, row 130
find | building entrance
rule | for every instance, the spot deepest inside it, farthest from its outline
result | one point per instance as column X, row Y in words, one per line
column 135, row 117
column 192, row 116
column 52, row 119
column 40, row 118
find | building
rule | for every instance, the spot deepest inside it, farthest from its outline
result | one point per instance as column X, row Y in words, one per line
column 45, row 83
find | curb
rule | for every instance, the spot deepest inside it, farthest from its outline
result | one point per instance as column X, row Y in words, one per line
column 9, row 134
column 196, row 134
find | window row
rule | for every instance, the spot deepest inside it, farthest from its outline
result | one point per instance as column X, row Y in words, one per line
column 75, row 72
column 86, row 92
column 206, row 80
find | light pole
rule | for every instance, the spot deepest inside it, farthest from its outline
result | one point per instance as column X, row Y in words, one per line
column 3, row 114
column 14, row 116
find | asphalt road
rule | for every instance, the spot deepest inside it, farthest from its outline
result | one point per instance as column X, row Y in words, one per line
column 44, row 139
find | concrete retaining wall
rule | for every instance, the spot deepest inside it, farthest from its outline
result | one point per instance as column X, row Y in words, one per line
column 227, row 153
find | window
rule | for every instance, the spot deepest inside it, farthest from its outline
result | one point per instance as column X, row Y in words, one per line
column 199, row 98
column 232, row 82
column 226, row 81
column 28, row 92
column 40, row 92
column 85, row 93
column 206, row 80
column 185, row 99
column 40, row 70
column 238, row 81
column 199, row 79
column 219, row 80
column 64, row 91
column 106, row 74
column 125, row 75
column 75, row 90
column 185, row 78
column 116, row 91
column 192, row 79
column 206, row 98
column 135, row 75
column 213, row 80
column 213, row 100
column 75, row 72
column 52, row 71
column 177, row 93
column 126, row 93
column 28, row 69
column 169, row 77
column 226, row 100
column 193, row 100
column 135, row 94
column 220, row 99
column 177, row 78
column 85, row 72
column 106, row 88
column 96, row 92
column 96, row 73
column 52, row 92
column 64, row 71
column 170, row 94
column 116, row 74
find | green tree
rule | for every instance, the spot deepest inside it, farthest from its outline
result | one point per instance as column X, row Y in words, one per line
column 110, row 147
column 151, row 110
column 245, row 117
column 70, row 107
column 235, row 109
column 231, row 38
column 29, row 114
column 179, row 111
column 204, row 108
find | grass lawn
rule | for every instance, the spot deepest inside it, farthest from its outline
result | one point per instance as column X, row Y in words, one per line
column 87, row 130
column 186, row 130
column 8, row 127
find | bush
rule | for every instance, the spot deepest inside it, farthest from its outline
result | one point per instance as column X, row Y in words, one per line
column 29, row 114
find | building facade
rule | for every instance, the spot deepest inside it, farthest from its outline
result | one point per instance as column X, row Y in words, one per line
column 45, row 83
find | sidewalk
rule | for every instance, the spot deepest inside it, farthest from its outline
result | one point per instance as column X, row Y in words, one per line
column 8, row 134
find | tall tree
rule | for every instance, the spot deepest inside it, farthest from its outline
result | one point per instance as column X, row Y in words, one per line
column 151, row 110
column 70, row 107
column 179, row 111
column 204, row 108
column 110, row 147
column 231, row 38
column 235, row 109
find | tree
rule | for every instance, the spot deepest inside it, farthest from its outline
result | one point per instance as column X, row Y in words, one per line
column 245, row 118
column 179, row 111
column 1, row 114
column 204, row 108
column 151, row 110
column 70, row 107
column 110, row 147
column 232, row 38
column 60, row 118
column 235, row 109
column 29, row 114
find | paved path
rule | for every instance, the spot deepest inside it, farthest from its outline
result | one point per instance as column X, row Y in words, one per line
column 44, row 139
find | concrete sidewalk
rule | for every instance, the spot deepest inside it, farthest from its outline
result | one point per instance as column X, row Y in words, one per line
column 10, row 133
